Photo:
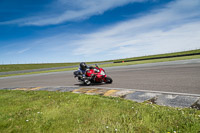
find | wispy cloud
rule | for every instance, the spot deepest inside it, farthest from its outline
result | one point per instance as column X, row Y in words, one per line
column 23, row 50
column 174, row 28
column 71, row 11
column 15, row 52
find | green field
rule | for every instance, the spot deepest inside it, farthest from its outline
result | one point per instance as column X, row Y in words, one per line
column 38, row 72
column 152, row 61
column 160, row 55
column 42, row 111
column 18, row 67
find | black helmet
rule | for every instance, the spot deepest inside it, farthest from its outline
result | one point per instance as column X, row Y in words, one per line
column 83, row 66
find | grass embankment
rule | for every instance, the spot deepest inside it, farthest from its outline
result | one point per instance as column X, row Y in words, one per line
column 41, row 111
column 18, row 67
column 152, row 61
column 28, row 73
column 160, row 55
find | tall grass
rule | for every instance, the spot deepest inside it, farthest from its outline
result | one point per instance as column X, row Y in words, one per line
column 41, row 111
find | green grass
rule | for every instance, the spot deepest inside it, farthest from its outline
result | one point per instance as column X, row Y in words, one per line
column 42, row 111
column 152, row 61
column 18, row 67
column 160, row 55
column 48, row 71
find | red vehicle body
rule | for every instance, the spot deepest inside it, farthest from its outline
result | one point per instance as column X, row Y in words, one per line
column 93, row 75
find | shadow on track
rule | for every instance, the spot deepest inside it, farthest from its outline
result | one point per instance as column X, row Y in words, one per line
column 93, row 84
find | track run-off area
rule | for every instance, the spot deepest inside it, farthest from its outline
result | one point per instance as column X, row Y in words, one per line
column 175, row 76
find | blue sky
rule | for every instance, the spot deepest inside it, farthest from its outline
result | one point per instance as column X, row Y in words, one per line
column 74, row 31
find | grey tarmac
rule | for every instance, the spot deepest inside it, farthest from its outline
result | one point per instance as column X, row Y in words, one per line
column 175, row 76
column 175, row 83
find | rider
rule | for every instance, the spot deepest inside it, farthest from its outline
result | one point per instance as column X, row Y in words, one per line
column 83, row 68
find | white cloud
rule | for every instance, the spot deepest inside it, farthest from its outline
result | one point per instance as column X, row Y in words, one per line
column 185, row 37
column 71, row 11
column 174, row 28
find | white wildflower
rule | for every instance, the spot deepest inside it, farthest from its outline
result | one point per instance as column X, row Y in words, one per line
column 27, row 120
column 106, row 126
column 116, row 129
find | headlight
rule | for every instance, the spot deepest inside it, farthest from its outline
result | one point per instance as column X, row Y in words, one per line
column 102, row 73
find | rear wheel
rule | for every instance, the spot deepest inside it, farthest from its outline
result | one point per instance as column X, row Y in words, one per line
column 109, row 80
column 87, row 82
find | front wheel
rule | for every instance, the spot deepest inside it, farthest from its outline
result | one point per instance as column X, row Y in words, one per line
column 109, row 80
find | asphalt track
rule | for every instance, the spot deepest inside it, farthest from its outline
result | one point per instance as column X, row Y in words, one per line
column 176, row 76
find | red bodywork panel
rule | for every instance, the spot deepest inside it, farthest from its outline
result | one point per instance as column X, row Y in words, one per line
column 97, row 72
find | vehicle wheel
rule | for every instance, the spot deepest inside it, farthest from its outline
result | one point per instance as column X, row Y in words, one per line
column 87, row 82
column 109, row 80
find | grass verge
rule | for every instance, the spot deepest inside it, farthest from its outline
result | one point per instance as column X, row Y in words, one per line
column 197, row 51
column 43, row 111
column 19, row 67
column 152, row 61
column 49, row 71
